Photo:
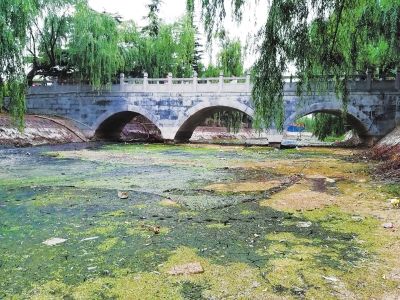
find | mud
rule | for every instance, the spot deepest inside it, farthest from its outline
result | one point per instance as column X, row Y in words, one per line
column 263, row 223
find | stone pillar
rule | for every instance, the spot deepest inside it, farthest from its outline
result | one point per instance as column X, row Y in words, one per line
column 169, row 81
column 248, row 81
column 221, row 81
column 398, row 78
column 145, row 82
column 194, row 81
column 55, row 83
column 121, row 82
column 369, row 80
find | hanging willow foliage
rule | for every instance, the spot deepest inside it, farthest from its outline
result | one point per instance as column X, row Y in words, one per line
column 322, row 39
column 14, row 19
column 94, row 48
column 232, row 120
column 328, row 125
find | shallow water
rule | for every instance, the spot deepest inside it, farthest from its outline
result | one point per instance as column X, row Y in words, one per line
column 209, row 205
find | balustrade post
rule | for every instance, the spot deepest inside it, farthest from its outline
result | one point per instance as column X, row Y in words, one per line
column 55, row 83
column 145, row 82
column 398, row 78
column 195, row 81
column 169, row 81
column 248, row 81
column 121, row 82
column 369, row 80
column 221, row 81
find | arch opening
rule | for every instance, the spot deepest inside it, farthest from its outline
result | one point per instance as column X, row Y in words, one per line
column 128, row 126
column 353, row 123
column 203, row 119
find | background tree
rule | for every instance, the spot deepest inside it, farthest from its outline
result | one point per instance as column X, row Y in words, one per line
column 230, row 58
column 153, row 27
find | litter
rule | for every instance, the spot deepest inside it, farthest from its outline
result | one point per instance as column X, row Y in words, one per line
column 331, row 278
column 54, row 241
column 387, row 225
column 90, row 238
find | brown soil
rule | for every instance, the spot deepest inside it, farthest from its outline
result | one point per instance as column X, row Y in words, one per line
column 387, row 152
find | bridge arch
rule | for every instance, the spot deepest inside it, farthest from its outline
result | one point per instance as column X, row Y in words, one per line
column 188, row 122
column 110, row 124
column 361, row 123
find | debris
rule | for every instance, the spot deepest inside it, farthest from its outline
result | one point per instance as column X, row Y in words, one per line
column 155, row 229
column 256, row 235
column 395, row 202
column 122, row 195
column 331, row 278
column 54, row 241
column 304, row 224
column 387, row 225
column 190, row 268
column 90, row 238
column 330, row 180
column 91, row 268
column 169, row 202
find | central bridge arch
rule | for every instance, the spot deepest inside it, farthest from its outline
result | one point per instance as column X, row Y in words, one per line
column 111, row 123
column 188, row 122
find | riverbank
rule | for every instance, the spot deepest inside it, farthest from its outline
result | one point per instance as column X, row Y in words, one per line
column 39, row 130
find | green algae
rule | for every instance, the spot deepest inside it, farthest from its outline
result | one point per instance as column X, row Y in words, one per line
column 247, row 251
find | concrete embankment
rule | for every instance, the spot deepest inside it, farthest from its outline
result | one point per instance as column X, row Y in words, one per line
column 38, row 130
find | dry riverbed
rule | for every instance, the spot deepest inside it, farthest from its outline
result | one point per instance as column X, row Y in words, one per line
column 195, row 222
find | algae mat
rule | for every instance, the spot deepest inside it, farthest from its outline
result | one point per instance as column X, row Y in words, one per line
column 118, row 221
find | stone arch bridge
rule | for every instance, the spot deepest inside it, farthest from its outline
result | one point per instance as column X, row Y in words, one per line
column 177, row 105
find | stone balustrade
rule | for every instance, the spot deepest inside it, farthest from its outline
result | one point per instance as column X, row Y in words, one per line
column 196, row 84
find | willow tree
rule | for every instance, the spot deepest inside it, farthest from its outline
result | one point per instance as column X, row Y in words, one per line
column 95, row 47
column 320, row 38
column 15, row 16
column 47, row 38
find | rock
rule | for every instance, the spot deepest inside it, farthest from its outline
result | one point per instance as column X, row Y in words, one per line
column 304, row 224
column 190, row 268
column 123, row 195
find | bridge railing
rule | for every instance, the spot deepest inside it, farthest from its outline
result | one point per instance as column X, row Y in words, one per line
column 193, row 84
column 364, row 82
